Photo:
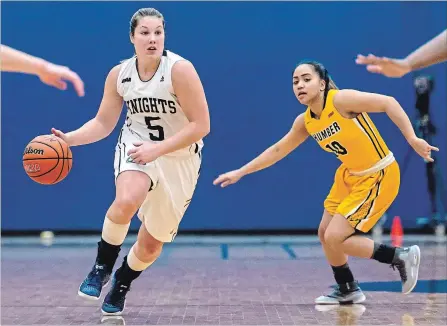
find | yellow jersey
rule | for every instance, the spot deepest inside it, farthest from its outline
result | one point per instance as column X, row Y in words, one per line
column 356, row 142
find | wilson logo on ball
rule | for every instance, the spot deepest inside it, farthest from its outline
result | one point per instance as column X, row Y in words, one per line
column 30, row 150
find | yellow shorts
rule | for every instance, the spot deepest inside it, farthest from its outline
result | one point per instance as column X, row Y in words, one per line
column 362, row 200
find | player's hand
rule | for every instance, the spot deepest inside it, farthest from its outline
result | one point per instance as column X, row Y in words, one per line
column 385, row 66
column 56, row 75
column 144, row 152
column 61, row 135
column 424, row 149
column 228, row 178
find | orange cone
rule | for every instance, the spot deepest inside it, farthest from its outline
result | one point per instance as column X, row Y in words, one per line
column 397, row 232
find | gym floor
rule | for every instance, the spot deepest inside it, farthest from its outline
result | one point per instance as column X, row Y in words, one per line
column 271, row 280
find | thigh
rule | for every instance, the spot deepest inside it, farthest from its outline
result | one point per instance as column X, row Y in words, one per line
column 132, row 186
column 166, row 205
column 339, row 191
column 370, row 198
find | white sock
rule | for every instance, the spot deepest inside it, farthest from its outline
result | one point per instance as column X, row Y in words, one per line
column 136, row 264
column 114, row 233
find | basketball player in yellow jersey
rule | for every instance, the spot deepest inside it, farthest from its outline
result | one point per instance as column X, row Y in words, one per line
column 366, row 183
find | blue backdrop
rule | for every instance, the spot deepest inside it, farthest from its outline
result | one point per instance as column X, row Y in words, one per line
column 245, row 54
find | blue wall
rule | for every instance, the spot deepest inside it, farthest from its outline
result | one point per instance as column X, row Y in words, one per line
column 245, row 54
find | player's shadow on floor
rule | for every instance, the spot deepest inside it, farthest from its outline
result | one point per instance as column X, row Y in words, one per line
column 423, row 286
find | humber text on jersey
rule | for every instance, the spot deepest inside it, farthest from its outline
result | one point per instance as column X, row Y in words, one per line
column 327, row 132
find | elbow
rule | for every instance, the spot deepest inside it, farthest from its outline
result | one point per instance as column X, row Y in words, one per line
column 390, row 104
column 204, row 129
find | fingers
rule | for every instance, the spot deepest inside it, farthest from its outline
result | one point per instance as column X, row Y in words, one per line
column 60, row 84
column 135, row 156
column 426, row 155
column 56, row 132
column 226, row 183
column 370, row 59
column 137, row 144
column 219, row 180
column 77, row 82
column 57, row 75
column 374, row 69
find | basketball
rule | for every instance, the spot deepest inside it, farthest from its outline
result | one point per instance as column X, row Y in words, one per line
column 47, row 159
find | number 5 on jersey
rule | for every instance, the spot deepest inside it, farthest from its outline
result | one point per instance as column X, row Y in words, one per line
column 157, row 133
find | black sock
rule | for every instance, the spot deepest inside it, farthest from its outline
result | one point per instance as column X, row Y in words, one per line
column 125, row 274
column 383, row 253
column 107, row 254
column 343, row 274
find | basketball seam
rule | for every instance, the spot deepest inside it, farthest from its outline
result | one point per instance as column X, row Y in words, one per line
column 46, row 158
column 63, row 162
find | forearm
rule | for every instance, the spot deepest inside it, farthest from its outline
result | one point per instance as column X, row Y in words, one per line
column 188, row 135
column 269, row 157
column 432, row 52
column 17, row 61
column 91, row 132
column 400, row 119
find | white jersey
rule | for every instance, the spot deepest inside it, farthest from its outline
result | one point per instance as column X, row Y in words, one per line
column 153, row 111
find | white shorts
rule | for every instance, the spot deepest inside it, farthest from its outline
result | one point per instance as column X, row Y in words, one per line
column 173, row 181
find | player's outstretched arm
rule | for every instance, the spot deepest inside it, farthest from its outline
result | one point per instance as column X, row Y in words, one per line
column 51, row 74
column 430, row 53
column 349, row 102
column 191, row 96
column 296, row 136
column 105, row 120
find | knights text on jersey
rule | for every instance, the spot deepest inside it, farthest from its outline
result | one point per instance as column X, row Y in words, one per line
column 153, row 111
column 356, row 142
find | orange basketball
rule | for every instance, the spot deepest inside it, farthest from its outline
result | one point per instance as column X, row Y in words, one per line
column 47, row 159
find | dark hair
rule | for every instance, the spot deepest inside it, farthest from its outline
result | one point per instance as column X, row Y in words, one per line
column 144, row 12
column 323, row 74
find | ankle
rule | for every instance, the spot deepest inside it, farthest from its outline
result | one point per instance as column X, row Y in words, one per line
column 384, row 254
column 125, row 275
column 107, row 254
column 342, row 274
column 349, row 287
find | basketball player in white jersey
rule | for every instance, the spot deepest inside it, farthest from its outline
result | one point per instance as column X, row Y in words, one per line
column 157, row 158
column 12, row 60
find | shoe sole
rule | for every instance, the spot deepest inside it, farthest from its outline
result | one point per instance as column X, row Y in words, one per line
column 358, row 300
column 417, row 257
column 90, row 297
column 118, row 313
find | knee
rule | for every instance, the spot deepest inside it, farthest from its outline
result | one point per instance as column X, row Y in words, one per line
column 321, row 232
column 127, row 205
column 149, row 251
column 332, row 239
